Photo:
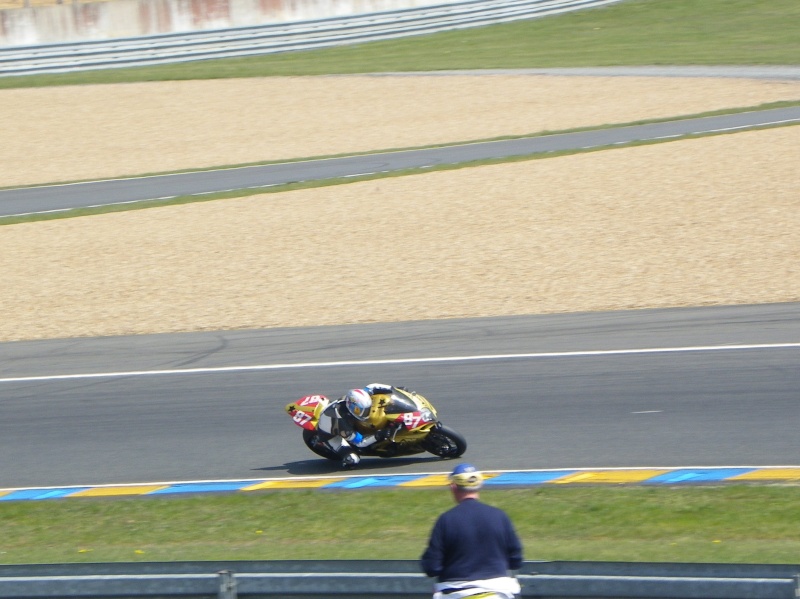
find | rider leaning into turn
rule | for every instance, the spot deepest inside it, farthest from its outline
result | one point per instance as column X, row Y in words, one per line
column 338, row 423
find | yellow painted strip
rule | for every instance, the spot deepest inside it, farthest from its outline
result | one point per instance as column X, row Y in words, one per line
column 113, row 491
column 437, row 480
column 433, row 480
column 573, row 478
column 609, row 476
column 292, row 484
column 4, row 493
column 770, row 474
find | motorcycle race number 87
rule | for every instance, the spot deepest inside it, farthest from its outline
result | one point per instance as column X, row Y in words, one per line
column 413, row 420
column 302, row 418
column 303, row 412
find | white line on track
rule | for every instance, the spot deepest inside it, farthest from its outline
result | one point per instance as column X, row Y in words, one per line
column 479, row 358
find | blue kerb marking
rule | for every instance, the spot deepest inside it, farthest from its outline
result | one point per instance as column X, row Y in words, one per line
column 527, row 478
column 37, row 494
column 203, row 487
column 696, row 475
column 371, row 481
column 354, row 484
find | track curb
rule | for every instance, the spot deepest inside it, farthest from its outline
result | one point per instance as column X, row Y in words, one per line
column 668, row 476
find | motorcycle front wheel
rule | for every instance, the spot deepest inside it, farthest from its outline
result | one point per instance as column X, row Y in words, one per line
column 445, row 442
column 311, row 439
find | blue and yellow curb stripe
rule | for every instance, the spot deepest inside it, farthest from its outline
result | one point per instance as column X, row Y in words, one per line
column 494, row 479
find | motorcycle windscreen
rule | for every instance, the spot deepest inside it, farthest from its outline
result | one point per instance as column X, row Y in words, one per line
column 399, row 404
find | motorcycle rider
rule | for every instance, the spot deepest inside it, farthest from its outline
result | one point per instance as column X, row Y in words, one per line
column 338, row 423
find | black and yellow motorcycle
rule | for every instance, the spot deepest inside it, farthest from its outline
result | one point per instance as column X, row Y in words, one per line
column 416, row 423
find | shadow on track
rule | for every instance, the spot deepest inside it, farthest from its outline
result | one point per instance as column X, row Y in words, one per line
column 368, row 466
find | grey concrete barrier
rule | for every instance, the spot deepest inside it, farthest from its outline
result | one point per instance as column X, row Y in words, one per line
column 124, row 585
column 393, row 579
column 275, row 38
column 658, row 587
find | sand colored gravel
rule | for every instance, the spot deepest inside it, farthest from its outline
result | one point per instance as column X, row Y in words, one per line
column 83, row 132
column 705, row 221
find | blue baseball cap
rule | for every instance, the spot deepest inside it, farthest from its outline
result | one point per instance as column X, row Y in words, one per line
column 466, row 477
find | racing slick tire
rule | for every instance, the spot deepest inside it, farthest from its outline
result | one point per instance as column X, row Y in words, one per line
column 311, row 439
column 445, row 442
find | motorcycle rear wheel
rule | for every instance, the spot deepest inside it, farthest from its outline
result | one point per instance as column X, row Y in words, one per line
column 312, row 441
column 445, row 442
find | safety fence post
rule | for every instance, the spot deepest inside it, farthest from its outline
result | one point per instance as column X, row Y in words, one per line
column 227, row 585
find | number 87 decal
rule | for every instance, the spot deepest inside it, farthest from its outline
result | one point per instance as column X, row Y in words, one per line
column 301, row 417
column 414, row 419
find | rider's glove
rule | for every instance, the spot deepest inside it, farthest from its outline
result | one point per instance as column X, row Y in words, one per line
column 386, row 433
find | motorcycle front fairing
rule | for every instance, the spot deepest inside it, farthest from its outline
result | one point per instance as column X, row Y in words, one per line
column 410, row 414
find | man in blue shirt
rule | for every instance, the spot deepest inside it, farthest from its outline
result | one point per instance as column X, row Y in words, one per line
column 473, row 546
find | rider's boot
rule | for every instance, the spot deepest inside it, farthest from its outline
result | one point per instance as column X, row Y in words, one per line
column 350, row 459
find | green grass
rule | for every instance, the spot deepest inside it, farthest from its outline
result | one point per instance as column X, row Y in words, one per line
column 736, row 523
column 635, row 32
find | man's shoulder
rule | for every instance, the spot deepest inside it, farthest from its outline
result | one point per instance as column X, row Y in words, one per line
column 455, row 512
column 476, row 506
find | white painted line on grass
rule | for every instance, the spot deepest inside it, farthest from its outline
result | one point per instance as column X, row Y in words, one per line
column 478, row 358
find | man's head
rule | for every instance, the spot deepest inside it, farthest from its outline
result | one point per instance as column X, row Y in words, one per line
column 465, row 481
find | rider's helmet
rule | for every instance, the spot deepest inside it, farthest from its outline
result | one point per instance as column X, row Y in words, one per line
column 358, row 403
column 466, row 477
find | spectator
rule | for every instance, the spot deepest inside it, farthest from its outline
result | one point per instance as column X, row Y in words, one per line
column 473, row 546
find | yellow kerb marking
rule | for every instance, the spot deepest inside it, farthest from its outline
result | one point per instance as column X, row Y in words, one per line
column 433, row 480
column 112, row 491
column 609, row 476
column 770, row 474
column 292, row 484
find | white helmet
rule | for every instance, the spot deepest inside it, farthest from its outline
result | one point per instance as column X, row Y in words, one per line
column 359, row 403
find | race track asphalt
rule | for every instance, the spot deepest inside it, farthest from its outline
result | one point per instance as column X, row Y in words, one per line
column 549, row 391
column 43, row 199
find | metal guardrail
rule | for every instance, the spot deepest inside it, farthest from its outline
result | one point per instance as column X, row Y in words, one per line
column 392, row 579
column 275, row 38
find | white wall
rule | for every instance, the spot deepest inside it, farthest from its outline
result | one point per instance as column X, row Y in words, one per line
column 132, row 18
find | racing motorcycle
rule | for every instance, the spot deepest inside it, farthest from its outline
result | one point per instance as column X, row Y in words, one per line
column 417, row 428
